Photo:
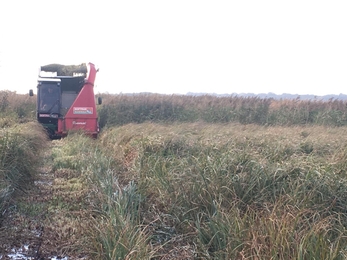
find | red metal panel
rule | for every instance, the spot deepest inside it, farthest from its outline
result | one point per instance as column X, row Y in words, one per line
column 82, row 113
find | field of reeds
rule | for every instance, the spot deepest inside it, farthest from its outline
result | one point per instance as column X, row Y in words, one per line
column 138, row 108
column 16, row 108
column 174, row 177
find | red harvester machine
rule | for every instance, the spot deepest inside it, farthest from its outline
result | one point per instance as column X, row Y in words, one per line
column 65, row 99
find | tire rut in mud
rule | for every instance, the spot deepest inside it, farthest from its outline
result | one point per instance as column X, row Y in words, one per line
column 22, row 227
column 45, row 222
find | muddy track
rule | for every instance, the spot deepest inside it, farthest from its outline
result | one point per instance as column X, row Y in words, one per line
column 22, row 230
column 45, row 221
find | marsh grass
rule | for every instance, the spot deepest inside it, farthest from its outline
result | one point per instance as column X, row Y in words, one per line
column 209, row 191
column 16, row 108
column 21, row 147
column 222, row 178
column 244, row 191
column 183, row 177
column 115, row 230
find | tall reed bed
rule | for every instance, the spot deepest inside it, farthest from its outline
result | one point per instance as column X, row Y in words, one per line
column 16, row 107
column 20, row 150
column 138, row 108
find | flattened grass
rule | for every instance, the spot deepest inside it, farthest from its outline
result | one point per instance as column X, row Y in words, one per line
column 114, row 230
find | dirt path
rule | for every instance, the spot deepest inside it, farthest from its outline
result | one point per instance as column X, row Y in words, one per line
column 46, row 221
column 23, row 229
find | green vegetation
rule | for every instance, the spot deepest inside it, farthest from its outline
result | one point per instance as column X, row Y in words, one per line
column 174, row 177
column 16, row 108
column 212, row 191
column 20, row 149
column 138, row 108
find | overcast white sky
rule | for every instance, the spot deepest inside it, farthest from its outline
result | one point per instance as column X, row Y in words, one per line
column 180, row 46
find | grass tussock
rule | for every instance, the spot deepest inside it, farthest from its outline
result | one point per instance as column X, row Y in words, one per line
column 20, row 149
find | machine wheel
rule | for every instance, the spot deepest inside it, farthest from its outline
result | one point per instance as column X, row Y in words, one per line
column 51, row 134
